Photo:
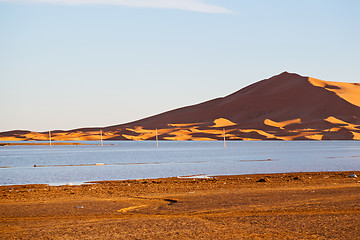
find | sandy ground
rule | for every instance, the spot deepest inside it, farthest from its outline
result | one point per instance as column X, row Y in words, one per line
column 272, row 206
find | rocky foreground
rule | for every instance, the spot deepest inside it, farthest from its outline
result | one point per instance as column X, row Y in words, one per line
column 273, row 206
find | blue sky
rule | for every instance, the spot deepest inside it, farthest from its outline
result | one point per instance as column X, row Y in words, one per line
column 69, row 64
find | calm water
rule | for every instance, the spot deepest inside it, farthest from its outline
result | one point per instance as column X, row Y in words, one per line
column 137, row 160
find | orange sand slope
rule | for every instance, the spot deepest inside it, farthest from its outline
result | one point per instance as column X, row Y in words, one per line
column 195, row 133
column 284, row 107
column 348, row 91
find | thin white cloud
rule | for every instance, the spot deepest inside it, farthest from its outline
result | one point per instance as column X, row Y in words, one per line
column 188, row 5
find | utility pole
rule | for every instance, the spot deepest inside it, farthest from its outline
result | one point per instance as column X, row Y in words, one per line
column 224, row 138
column 101, row 139
column 50, row 137
column 157, row 140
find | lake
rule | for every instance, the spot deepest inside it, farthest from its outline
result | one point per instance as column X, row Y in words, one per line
column 120, row 160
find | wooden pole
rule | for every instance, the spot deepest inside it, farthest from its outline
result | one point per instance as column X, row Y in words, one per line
column 101, row 139
column 157, row 140
column 50, row 137
column 224, row 138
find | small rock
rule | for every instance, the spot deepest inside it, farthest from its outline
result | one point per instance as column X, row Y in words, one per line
column 352, row 176
column 69, row 184
column 262, row 180
column 80, row 207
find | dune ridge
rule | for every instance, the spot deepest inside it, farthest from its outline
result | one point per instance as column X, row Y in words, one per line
column 347, row 91
column 284, row 107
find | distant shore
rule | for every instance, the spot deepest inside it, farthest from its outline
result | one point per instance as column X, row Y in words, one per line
column 44, row 143
column 317, row 205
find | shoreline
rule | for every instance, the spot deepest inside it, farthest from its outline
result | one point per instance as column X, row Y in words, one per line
column 311, row 205
column 194, row 177
column 81, row 142
column 42, row 143
column 62, row 143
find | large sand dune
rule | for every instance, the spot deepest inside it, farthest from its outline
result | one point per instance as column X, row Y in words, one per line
column 284, row 107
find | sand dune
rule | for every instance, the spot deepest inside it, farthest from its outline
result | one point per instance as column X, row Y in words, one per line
column 347, row 91
column 223, row 122
column 281, row 124
column 284, row 107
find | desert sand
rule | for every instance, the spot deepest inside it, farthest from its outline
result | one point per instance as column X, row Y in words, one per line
column 272, row 206
column 284, row 107
column 347, row 91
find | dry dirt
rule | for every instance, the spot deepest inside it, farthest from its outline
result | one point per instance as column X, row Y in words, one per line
column 272, row 206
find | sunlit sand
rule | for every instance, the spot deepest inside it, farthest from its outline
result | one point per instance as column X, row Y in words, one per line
column 348, row 91
column 223, row 122
column 282, row 124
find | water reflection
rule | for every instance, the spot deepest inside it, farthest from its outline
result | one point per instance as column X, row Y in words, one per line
column 137, row 160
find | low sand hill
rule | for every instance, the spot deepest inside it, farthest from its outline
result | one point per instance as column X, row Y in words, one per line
column 284, row 107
